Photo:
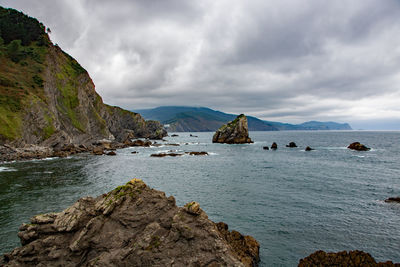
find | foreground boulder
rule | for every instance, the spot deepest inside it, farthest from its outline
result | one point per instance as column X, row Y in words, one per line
column 344, row 258
column 359, row 147
column 132, row 225
column 235, row 132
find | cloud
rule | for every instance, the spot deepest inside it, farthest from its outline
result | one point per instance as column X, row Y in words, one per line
column 278, row 60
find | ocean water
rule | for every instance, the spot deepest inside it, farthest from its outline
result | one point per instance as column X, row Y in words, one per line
column 293, row 202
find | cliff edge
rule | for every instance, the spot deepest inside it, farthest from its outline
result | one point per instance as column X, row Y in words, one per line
column 47, row 98
column 133, row 225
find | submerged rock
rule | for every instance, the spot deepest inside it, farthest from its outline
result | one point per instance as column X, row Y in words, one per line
column 174, row 135
column 133, row 225
column 343, row 258
column 291, row 145
column 359, row 147
column 235, row 132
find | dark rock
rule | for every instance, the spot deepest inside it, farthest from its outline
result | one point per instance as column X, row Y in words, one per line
column 194, row 153
column 111, row 153
column 291, row 145
column 145, row 143
column 161, row 155
column 343, row 258
column 191, row 135
column 265, row 147
column 174, row 135
column 134, row 152
column 133, row 225
column 274, row 146
column 172, row 144
column 393, row 199
column 359, row 147
column 235, row 132
column 309, row 148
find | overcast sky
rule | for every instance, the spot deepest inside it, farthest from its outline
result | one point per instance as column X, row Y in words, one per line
column 289, row 61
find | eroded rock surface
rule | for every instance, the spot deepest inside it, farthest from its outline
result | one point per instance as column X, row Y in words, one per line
column 132, row 225
column 343, row 258
column 235, row 132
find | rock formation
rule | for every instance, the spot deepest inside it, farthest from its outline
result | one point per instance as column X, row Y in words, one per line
column 309, row 148
column 291, row 145
column 393, row 200
column 274, row 146
column 359, row 147
column 235, row 132
column 46, row 97
column 132, row 225
column 352, row 259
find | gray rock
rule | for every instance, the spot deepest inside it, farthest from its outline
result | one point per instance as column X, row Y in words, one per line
column 132, row 225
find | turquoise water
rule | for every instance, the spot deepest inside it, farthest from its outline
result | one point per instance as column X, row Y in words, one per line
column 293, row 202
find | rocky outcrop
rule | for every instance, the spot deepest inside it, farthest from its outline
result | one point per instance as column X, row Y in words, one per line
column 291, row 145
column 359, row 147
column 352, row 259
column 132, row 225
column 235, row 132
column 393, row 200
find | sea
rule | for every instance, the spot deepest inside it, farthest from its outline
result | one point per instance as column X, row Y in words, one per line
column 292, row 201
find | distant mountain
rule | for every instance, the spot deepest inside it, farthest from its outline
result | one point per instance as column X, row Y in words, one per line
column 202, row 119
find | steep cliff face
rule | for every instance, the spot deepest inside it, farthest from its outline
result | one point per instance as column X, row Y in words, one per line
column 47, row 98
column 133, row 225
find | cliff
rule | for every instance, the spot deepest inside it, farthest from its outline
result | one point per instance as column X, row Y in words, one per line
column 234, row 132
column 132, row 225
column 48, row 99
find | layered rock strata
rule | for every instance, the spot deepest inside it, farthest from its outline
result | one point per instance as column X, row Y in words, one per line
column 132, row 225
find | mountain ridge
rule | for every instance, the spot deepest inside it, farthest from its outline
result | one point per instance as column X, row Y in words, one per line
column 200, row 119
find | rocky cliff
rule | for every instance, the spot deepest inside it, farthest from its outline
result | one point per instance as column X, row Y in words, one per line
column 48, row 99
column 132, row 225
column 235, row 132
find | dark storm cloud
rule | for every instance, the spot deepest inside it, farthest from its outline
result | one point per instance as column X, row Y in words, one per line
column 278, row 60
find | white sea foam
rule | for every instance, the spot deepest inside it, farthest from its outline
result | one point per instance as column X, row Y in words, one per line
column 7, row 169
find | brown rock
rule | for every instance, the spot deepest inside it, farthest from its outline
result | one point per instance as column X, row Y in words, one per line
column 274, row 146
column 359, row 147
column 111, row 153
column 343, row 258
column 235, row 132
column 98, row 150
column 393, row 199
column 133, row 225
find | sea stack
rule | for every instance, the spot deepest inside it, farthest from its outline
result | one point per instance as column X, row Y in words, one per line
column 133, row 225
column 234, row 132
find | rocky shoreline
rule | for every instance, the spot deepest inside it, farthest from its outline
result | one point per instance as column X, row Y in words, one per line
column 133, row 225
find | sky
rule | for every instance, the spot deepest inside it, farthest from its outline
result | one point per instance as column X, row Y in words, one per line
column 288, row 61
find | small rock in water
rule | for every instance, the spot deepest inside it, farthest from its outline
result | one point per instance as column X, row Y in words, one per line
column 134, row 152
column 291, row 145
column 111, row 153
column 195, row 153
column 357, row 146
column 99, row 150
column 191, row 135
column 274, row 146
column 174, row 135
column 309, row 148
column 265, row 148
column 393, row 199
